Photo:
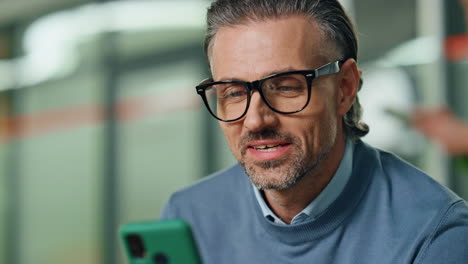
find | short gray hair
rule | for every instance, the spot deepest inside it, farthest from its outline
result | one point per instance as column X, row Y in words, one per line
column 328, row 14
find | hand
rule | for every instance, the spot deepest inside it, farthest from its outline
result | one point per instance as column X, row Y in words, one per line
column 444, row 128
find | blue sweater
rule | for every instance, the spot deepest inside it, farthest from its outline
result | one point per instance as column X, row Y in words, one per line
column 389, row 212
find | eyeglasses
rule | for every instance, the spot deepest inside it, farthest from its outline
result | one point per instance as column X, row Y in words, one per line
column 284, row 93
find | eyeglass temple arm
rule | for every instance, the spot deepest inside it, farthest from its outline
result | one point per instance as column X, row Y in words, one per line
column 330, row 68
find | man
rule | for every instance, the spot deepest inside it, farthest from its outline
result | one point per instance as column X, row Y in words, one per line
column 307, row 190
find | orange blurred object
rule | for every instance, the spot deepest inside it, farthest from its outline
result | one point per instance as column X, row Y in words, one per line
column 456, row 47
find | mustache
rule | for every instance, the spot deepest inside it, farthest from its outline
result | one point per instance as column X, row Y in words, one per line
column 265, row 134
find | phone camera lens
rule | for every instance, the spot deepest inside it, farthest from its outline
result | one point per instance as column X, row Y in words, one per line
column 160, row 258
column 135, row 243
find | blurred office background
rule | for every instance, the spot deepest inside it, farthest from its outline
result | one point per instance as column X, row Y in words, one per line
column 100, row 123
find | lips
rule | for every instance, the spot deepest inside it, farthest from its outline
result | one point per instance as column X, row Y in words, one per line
column 267, row 149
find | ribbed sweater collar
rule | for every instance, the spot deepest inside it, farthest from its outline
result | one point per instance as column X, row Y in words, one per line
column 337, row 212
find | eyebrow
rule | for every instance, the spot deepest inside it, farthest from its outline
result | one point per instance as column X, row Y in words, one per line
column 287, row 69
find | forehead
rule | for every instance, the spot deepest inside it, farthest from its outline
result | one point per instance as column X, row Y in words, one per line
column 258, row 48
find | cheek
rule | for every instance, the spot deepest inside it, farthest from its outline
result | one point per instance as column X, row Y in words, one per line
column 317, row 112
column 324, row 109
column 318, row 122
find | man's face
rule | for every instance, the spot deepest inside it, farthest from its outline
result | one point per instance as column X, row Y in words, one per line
column 277, row 150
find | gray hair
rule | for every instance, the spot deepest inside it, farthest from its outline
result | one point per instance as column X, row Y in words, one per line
column 328, row 14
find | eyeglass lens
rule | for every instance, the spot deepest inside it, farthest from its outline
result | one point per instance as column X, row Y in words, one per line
column 284, row 93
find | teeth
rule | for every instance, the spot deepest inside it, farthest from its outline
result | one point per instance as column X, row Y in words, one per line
column 267, row 148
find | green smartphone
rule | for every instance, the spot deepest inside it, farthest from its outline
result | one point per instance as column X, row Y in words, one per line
column 159, row 242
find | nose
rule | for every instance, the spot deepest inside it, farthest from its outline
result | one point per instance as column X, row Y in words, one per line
column 259, row 116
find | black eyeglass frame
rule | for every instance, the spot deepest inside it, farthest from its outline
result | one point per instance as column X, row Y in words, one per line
column 329, row 68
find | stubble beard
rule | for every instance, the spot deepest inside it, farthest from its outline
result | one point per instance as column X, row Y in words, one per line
column 283, row 173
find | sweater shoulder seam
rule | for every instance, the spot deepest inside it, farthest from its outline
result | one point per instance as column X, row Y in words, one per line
column 430, row 238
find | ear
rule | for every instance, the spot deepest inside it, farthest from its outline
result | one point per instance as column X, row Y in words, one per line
column 348, row 85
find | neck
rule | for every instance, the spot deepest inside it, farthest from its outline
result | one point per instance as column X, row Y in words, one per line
column 289, row 202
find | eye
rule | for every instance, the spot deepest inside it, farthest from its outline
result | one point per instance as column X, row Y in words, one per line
column 288, row 88
column 232, row 92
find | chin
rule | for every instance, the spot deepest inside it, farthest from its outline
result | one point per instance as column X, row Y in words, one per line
column 274, row 175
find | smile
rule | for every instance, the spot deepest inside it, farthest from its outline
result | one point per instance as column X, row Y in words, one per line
column 268, row 148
